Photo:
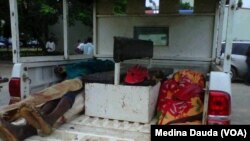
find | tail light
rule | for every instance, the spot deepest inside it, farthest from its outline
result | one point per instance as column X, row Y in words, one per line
column 219, row 103
column 219, row 108
column 15, row 88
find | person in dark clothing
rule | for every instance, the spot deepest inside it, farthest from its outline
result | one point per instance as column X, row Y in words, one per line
column 248, row 66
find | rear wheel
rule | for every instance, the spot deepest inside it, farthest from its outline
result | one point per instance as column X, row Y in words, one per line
column 233, row 74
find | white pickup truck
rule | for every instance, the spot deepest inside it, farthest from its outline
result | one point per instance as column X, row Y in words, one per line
column 181, row 40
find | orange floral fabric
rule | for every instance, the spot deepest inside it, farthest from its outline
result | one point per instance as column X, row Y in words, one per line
column 193, row 77
column 181, row 98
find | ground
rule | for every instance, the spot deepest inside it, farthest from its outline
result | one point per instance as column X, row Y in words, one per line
column 240, row 98
column 240, row 103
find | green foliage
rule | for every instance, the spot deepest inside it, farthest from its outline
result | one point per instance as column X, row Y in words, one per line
column 81, row 11
column 240, row 3
column 47, row 10
column 120, row 6
column 185, row 6
column 36, row 15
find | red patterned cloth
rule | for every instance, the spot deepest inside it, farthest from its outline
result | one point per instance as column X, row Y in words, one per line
column 181, row 98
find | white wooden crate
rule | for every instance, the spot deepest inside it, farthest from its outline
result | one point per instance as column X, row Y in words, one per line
column 121, row 102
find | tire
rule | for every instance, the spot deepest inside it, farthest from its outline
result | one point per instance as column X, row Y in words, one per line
column 233, row 74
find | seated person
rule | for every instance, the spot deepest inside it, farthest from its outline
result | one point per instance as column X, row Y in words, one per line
column 42, row 120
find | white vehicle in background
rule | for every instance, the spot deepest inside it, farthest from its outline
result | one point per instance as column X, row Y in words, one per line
column 238, row 61
column 182, row 41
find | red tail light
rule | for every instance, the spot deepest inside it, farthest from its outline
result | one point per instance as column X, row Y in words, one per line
column 219, row 103
column 15, row 87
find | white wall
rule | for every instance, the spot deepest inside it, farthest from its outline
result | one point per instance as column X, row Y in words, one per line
column 241, row 30
column 189, row 36
column 77, row 31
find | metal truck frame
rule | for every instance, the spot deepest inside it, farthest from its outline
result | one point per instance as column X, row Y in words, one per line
column 194, row 42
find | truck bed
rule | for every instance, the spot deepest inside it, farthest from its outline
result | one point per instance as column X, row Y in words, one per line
column 85, row 128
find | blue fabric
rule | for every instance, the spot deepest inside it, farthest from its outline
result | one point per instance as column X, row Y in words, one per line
column 86, row 67
column 72, row 96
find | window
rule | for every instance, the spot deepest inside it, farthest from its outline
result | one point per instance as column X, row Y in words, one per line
column 152, row 6
column 158, row 35
column 186, row 6
column 238, row 48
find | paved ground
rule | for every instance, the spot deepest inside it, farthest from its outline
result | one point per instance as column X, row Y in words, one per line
column 240, row 99
column 5, row 71
column 240, row 104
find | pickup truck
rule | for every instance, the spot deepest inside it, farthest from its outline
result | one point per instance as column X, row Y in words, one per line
column 181, row 40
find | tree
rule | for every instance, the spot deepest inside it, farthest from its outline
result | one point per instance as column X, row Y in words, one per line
column 185, row 6
column 240, row 3
column 35, row 16
column 4, row 15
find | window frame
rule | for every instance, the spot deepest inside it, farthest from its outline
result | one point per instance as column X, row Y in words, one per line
column 144, row 30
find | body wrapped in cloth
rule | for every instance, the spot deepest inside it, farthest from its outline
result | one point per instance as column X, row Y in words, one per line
column 181, row 98
column 52, row 106
column 54, row 92
column 73, row 83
